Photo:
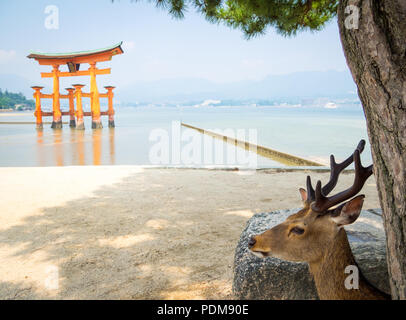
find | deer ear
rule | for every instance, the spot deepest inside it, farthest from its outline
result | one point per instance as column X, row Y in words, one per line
column 303, row 194
column 348, row 212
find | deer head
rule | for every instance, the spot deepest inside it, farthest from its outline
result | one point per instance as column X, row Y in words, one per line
column 305, row 235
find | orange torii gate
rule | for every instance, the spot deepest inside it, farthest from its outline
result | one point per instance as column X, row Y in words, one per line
column 73, row 61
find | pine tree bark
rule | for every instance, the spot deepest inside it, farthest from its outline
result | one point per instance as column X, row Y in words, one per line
column 376, row 55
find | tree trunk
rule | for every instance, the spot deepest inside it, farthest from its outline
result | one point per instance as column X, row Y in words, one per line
column 376, row 54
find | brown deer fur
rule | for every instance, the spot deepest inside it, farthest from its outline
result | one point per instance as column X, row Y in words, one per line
column 323, row 245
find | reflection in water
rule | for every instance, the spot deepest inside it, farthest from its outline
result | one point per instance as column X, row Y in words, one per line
column 78, row 145
column 75, row 147
column 40, row 153
column 97, row 146
column 112, row 148
column 58, row 147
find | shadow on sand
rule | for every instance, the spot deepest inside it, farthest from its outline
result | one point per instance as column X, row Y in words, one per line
column 119, row 244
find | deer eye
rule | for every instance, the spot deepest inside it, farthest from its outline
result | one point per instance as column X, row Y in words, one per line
column 297, row 230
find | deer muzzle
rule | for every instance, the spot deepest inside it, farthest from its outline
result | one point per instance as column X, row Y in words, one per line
column 254, row 244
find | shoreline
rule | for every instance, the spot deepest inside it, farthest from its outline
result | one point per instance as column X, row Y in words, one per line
column 28, row 122
column 10, row 112
column 323, row 169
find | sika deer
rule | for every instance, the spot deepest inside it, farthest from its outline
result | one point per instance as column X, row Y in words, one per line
column 316, row 235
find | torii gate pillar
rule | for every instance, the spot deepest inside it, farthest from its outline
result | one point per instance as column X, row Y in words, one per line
column 95, row 98
column 56, row 107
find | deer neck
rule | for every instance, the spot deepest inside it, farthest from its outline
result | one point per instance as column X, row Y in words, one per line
column 329, row 272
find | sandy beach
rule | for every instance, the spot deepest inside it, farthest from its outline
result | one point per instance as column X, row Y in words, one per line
column 126, row 232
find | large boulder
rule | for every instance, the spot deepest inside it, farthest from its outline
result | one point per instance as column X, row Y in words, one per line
column 271, row 278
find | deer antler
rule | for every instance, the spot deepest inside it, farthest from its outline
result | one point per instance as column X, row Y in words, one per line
column 322, row 202
column 337, row 168
column 311, row 196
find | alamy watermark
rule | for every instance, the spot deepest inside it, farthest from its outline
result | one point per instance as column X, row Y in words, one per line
column 51, row 277
column 189, row 147
column 352, row 281
column 51, row 21
column 351, row 22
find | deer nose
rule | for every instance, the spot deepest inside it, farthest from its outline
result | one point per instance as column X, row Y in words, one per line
column 251, row 242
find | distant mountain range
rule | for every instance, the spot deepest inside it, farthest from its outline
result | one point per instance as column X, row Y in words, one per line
column 299, row 84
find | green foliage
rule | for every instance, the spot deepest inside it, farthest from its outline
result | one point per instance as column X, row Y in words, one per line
column 254, row 16
column 9, row 100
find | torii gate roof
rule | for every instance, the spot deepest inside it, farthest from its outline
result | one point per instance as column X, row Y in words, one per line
column 98, row 55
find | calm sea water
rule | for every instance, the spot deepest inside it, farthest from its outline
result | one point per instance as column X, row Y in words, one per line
column 311, row 133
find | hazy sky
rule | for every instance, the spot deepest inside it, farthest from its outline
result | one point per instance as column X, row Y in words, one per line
column 156, row 46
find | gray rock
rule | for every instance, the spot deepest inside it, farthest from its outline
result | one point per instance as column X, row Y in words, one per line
column 274, row 279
